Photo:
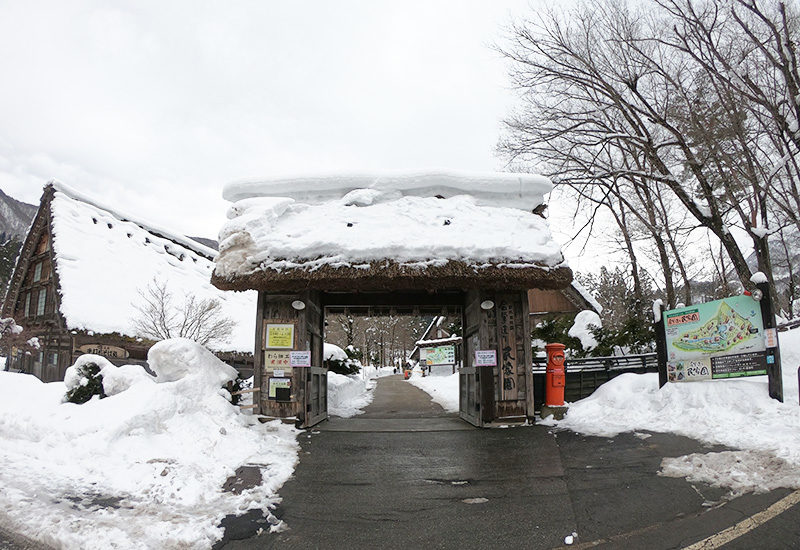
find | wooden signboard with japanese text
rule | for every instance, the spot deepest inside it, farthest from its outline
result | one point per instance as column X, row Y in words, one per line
column 507, row 340
column 104, row 350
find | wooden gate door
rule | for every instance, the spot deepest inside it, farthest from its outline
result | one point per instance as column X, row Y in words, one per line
column 316, row 396
column 469, row 395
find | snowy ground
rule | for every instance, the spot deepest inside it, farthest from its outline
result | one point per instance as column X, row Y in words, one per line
column 764, row 435
column 348, row 395
column 142, row 468
column 441, row 386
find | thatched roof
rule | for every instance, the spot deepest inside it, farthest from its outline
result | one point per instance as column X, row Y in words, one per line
column 386, row 237
column 389, row 275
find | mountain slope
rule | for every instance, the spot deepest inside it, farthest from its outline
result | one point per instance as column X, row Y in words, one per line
column 15, row 217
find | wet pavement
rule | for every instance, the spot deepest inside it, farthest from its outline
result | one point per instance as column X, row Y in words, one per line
column 369, row 483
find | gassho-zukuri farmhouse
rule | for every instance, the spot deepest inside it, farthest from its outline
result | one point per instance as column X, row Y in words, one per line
column 428, row 241
column 78, row 281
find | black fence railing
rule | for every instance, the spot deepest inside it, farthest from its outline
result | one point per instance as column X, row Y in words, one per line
column 585, row 375
column 783, row 327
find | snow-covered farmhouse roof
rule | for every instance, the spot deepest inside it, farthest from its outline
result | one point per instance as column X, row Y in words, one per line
column 398, row 231
column 103, row 258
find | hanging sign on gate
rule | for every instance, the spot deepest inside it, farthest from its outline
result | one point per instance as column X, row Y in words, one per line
column 300, row 358
column 279, row 336
column 485, row 358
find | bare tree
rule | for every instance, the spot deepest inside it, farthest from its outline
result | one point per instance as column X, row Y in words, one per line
column 632, row 106
column 161, row 316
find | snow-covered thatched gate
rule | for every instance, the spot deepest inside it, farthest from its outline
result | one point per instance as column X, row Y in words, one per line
column 412, row 242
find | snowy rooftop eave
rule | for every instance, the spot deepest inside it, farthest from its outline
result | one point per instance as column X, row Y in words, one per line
column 398, row 228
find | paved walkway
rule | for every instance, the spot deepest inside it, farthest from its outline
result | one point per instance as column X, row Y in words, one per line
column 369, row 482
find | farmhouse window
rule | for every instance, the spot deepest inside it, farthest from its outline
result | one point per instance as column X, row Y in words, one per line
column 42, row 246
column 37, row 272
column 41, row 301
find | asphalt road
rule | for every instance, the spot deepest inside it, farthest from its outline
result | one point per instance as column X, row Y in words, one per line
column 369, row 482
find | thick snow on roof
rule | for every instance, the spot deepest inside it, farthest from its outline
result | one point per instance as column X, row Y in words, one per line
column 103, row 263
column 141, row 222
column 372, row 224
column 525, row 191
column 587, row 296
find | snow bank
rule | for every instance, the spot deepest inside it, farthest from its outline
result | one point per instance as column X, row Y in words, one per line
column 397, row 218
column 142, row 468
column 178, row 358
column 735, row 413
column 581, row 329
column 348, row 395
column 442, row 389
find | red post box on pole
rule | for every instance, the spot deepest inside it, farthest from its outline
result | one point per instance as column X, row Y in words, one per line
column 556, row 377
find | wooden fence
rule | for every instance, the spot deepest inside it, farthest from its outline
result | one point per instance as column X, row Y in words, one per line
column 251, row 390
column 587, row 374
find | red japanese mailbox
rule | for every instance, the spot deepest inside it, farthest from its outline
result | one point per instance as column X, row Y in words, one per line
column 556, row 378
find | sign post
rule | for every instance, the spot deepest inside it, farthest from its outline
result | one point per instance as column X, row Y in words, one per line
column 773, row 349
column 661, row 343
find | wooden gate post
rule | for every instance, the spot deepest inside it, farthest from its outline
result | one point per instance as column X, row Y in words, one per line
column 286, row 323
column 498, row 321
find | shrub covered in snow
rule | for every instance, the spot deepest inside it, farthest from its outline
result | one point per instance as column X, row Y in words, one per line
column 341, row 361
column 83, row 379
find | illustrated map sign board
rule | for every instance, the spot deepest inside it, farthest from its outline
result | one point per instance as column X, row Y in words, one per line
column 440, row 355
column 719, row 339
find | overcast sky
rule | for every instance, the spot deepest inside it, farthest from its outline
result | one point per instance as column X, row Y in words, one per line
column 154, row 106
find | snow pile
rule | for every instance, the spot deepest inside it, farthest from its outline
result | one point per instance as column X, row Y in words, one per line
column 341, row 222
column 348, row 395
column 95, row 248
column 585, row 322
column 142, row 468
column 735, row 413
column 442, row 389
